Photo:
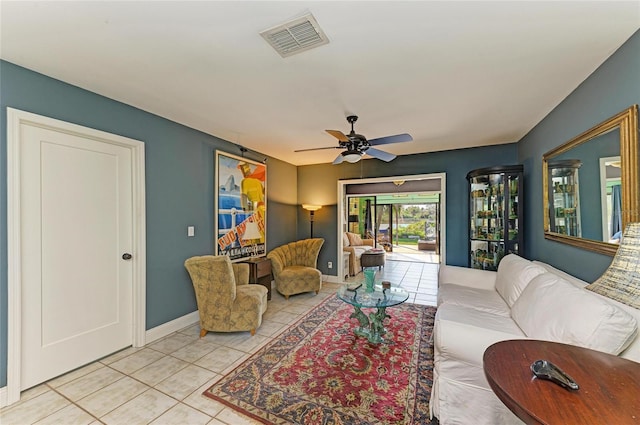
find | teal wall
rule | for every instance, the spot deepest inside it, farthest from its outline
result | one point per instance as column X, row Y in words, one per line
column 179, row 186
column 612, row 88
column 455, row 163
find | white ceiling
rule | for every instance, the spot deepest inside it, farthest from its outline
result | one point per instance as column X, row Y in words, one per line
column 452, row 74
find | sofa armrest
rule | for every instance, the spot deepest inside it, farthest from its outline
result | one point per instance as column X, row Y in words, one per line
column 352, row 252
column 369, row 242
column 463, row 276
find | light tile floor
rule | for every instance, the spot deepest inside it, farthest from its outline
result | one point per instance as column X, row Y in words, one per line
column 419, row 279
column 163, row 382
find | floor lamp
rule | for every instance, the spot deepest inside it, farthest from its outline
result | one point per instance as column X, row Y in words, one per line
column 312, row 209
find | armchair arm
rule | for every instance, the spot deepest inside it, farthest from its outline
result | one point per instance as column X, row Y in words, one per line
column 369, row 242
column 241, row 273
column 277, row 265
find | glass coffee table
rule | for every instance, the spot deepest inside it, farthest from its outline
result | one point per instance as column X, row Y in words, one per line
column 371, row 326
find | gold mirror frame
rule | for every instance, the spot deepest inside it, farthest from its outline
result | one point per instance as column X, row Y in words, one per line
column 627, row 123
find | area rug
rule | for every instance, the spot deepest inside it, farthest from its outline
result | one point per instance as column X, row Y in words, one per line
column 319, row 372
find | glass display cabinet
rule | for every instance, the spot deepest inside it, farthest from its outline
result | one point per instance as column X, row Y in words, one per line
column 495, row 214
column 564, row 205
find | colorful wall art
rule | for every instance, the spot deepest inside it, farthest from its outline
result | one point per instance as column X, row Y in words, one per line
column 241, row 207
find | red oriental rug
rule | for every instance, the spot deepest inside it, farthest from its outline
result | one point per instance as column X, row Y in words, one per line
column 319, row 372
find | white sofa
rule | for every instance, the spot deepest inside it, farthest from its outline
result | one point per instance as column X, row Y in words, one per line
column 355, row 246
column 523, row 299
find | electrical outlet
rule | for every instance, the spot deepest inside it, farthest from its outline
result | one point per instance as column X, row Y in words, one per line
column 191, row 231
column 330, row 264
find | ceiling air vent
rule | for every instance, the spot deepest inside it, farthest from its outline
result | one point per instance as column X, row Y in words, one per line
column 295, row 36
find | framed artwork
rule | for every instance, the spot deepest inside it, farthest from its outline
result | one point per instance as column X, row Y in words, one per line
column 240, row 207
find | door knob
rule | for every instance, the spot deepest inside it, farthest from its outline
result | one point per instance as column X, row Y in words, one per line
column 126, row 256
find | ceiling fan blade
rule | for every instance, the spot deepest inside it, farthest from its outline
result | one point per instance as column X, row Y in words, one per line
column 398, row 138
column 338, row 135
column 317, row 149
column 381, row 155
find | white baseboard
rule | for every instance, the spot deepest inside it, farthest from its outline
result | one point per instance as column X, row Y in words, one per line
column 331, row 278
column 150, row 336
column 3, row 397
column 171, row 327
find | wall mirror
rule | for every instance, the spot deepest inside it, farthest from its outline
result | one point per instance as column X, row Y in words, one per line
column 590, row 185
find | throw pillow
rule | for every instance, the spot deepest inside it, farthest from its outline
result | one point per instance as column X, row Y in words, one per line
column 621, row 281
column 514, row 274
column 345, row 240
column 354, row 239
column 552, row 309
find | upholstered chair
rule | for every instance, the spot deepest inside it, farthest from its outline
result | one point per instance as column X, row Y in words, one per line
column 226, row 301
column 294, row 267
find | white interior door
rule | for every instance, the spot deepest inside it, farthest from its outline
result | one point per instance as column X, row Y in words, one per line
column 76, row 224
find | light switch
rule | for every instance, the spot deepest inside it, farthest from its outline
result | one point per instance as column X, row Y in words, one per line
column 191, row 230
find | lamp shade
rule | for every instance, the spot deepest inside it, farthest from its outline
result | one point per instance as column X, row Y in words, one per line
column 251, row 231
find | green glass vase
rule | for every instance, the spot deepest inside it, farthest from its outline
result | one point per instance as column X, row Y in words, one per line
column 369, row 279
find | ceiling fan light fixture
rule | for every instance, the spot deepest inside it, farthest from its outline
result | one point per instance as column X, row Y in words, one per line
column 352, row 156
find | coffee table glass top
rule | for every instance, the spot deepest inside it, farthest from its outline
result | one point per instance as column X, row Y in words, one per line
column 378, row 298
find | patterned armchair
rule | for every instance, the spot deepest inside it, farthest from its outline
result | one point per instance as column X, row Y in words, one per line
column 226, row 302
column 294, row 267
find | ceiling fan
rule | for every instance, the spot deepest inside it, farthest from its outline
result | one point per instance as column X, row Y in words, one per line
column 356, row 145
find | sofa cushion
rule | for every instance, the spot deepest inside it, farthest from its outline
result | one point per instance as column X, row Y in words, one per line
column 632, row 352
column 345, row 240
column 578, row 283
column 354, row 239
column 480, row 299
column 462, row 334
column 460, row 392
column 550, row 308
column 514, row 274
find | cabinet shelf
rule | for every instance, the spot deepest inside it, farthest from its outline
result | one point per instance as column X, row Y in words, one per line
column 495, row 228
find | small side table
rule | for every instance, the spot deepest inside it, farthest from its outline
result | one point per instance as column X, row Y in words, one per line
column 260, row 272
column 345, row 264
column 372, row 325
column 609, row 385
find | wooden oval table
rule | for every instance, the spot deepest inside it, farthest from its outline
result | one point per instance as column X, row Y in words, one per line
column 609, row 385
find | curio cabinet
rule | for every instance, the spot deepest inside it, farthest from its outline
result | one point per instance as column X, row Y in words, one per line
column 563, row 197
column 495, row 215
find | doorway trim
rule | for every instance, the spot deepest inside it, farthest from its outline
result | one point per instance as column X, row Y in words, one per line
column 16, row 118
column 342, row 205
